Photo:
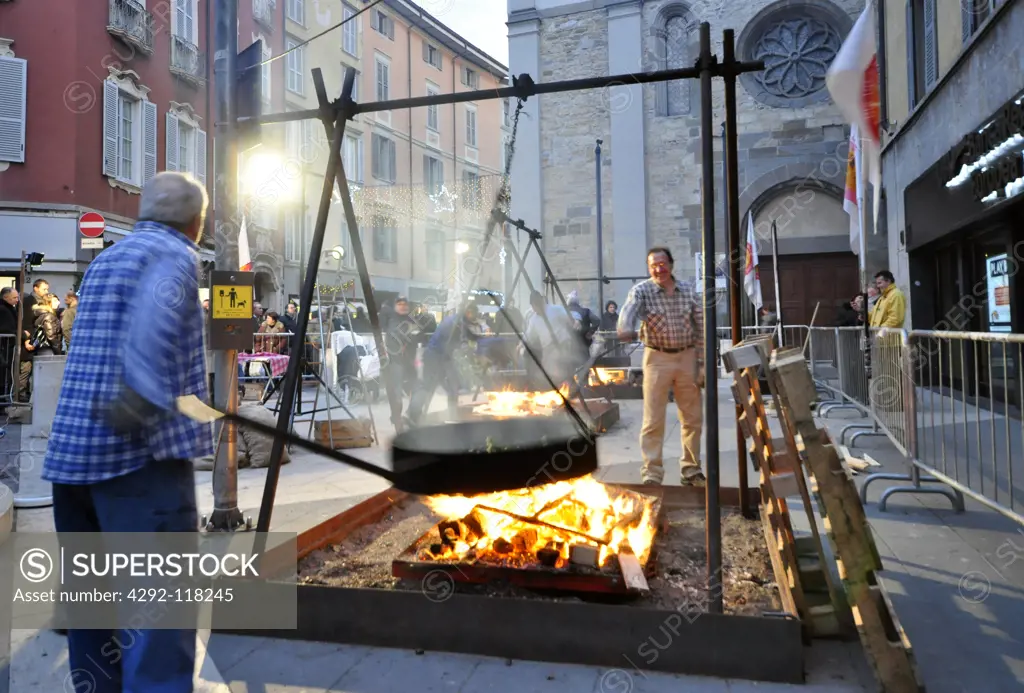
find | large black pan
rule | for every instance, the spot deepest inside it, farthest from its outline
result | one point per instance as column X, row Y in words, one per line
column 463, row 458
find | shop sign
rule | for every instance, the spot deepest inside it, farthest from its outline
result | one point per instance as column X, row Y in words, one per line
column 990, row 159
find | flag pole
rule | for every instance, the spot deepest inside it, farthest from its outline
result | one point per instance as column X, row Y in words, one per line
column 775, row 270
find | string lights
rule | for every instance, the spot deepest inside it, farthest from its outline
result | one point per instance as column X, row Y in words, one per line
column 457, row 203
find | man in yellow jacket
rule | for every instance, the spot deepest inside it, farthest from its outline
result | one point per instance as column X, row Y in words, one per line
column 890, row 310
column 891, row 307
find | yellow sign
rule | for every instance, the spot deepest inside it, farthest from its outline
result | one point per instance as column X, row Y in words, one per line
column 231, row 302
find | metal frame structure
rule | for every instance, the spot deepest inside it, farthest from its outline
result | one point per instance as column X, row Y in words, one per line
column 335, row 115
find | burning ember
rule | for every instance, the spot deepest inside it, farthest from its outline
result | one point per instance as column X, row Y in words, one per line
column 581, row 521
column 509, row 403
column 607, row 376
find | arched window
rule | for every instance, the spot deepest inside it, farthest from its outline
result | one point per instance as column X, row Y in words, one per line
column 675, row 46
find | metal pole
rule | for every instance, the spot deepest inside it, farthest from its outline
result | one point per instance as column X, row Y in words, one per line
column 732, row 222
column 291, row 378
column 713, row 518
column 523, row 87
column 775, row 269
column 225, row 515
column 600, row 233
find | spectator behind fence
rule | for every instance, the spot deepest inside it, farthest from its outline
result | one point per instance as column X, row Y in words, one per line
column 67, row 320
column 46, row 334
column 119, row 455
column 8, row 337
column 610, row 317
column 271, row 345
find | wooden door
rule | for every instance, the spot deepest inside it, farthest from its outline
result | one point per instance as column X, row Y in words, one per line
column 805, row 280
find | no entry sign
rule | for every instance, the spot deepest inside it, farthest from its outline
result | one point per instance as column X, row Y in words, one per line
column 92, row 224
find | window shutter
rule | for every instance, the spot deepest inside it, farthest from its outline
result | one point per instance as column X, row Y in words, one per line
column 148, row 141
column 190, row 23
column 426, row 52
column 110, row 94
column 374, row 156
column 966, row 19
column 171, row 143
column 931, row 49
column 179, row 18
column 359, row 151
column 13, row 98
column 911, row 68
column 201, row 156
column 426, row 175
column 392, row 166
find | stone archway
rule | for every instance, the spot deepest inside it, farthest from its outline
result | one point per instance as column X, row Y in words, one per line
column 267, row 286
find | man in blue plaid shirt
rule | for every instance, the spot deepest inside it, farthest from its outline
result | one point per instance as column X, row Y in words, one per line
column 119, row 456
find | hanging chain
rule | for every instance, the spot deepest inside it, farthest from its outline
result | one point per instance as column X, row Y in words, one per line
column 505, row 194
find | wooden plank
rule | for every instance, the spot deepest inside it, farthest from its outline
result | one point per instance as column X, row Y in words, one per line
column 885, row 642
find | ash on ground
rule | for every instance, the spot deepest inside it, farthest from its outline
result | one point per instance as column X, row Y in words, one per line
column 363, row 560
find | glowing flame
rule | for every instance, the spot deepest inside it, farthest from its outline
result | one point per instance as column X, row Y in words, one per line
column 509, row 403
column 607, row 376
column 582, row 511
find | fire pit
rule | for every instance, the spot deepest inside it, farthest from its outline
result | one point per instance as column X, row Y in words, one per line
column 347, row 592
column 580, row 536
column 505, row 404
column 617, row 383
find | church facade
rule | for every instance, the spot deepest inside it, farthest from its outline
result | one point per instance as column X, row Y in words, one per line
column 792, row 142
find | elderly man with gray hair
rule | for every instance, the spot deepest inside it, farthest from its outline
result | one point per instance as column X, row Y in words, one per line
column 119, row 455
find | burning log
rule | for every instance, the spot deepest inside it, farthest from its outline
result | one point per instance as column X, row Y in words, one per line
column 548, row 556
column 525, row 540
column 541, row 523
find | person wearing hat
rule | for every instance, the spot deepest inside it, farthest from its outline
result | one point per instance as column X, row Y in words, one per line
column 402, row 337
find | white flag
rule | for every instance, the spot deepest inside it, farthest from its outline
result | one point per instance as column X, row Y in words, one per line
column 244, row 259
column 853, row 198
column 751, row 274
column 852, row 81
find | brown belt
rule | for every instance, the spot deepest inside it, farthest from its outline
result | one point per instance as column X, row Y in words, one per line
column 668, row 351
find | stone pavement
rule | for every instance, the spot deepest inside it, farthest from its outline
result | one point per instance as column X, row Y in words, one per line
column 956, row 589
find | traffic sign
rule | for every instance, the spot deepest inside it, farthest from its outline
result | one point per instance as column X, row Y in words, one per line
column 92, row 224
column 231, row 302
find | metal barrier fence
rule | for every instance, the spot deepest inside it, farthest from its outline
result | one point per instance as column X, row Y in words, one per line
column 964, row 394
column 10, row 370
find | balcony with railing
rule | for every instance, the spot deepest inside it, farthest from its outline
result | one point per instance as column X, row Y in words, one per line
column 187, row 61
column 130, row 22
column 263, row 13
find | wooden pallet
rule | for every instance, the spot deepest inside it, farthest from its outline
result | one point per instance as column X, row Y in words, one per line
column 846, row 525
column 806, row 584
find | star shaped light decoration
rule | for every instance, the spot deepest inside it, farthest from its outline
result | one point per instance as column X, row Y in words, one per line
column 501, row 256
column 444, row 200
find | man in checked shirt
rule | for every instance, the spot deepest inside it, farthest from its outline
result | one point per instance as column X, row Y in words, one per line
column 671, row 328
column 119, row 455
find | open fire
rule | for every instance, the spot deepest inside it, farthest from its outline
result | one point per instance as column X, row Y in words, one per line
column 583, row 522
column 608, row 376
column 509, row 403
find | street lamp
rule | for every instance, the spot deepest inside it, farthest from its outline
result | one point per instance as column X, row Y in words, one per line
column 338, row 253
column 461, row 248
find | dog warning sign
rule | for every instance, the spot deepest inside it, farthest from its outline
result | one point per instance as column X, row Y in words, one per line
column 231, row 302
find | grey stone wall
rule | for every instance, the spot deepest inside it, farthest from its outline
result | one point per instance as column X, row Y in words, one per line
column 572, row 47
column 781, row 149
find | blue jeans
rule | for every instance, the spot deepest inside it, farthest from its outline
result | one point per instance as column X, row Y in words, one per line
column 160, row 497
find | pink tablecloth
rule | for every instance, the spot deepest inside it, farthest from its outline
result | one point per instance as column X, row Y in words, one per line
column 278, row 363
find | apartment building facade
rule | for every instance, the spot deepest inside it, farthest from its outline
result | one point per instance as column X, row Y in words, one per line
column 953, row 163
column 423, row 180
column 96, row 96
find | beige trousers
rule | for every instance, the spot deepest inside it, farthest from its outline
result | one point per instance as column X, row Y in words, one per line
column 678, row 373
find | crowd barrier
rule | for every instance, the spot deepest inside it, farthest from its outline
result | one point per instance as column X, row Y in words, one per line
column 949, row 401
